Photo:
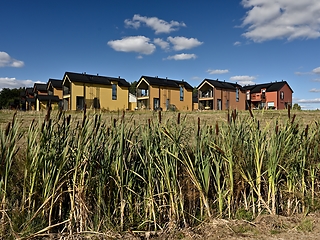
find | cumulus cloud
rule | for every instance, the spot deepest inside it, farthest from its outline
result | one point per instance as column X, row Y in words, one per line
column 237, row 43
column 158, row 25
column 181, row 43
column 243, row 80
column 163, row 44
column 217, row 71
column 316, row 70
column 6, row 82
column 139, row 44
column 281, row 19
column 182, row 56
column 7, row 61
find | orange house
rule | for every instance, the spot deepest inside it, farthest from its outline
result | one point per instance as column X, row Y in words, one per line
column 274, row 95
column 220, row 95
column 164, row 94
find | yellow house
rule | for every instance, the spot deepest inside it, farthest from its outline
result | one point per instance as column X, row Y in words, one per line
column 164, row 94
column 94, row 91
column 54, row 87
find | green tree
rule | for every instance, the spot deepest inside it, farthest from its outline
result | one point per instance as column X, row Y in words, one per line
column 296, row 106
column 10, row 96
column 132, row 88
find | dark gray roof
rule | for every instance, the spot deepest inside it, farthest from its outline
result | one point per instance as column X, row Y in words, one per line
column 155, row 81
column 29, row 91
column 40, row 87
column 55, row 83
column 95, row 79
column 222, row 84
column 270, row 87
column 48, row 98
column 31, row 100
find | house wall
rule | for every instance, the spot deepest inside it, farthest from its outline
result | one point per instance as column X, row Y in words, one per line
column 173, row 94
column 76, row 90
column 287, row 97
column 271, row 97
column 103, row 93
column 58, row 92
column 224, row 95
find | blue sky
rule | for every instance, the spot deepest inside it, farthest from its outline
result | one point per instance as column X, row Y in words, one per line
column 249, row 41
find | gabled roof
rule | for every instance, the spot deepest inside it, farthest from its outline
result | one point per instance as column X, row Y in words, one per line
column 222, row 84
column 55, row 83
column 155, row 81
column 40, row 87
column 95, row 79
column 270, row 87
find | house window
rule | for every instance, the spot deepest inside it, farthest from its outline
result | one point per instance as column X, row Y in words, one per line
column 114, row 92
column 237, row 94
column 80, row 102
column 181, row 93
column 281, row 95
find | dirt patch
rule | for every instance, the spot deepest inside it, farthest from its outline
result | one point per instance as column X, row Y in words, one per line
column 263, row 227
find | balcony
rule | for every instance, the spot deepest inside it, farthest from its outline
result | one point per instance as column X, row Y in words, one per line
column 206, row 94
column 66, row 91
column 141, row 93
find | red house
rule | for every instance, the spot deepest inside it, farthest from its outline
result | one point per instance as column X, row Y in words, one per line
column 274, row 95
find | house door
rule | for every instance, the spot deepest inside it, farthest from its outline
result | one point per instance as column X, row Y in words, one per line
column 156, row 104
column 219, row 104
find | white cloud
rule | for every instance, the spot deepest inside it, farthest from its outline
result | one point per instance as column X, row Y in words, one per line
column 314, row 90
column 196, row 78
column 7, row 61
column 281, row 19
column 302, row 73
column 217, row 71
column 316, row 80
column 139, row 57
column 314, row 100
column 237, row 43
column 6, row 82
column 243, row 80
column 182, row 56
column 139, row 44
column 181, row 43
column 316, row 70
column 158, row 25
column 163, row 44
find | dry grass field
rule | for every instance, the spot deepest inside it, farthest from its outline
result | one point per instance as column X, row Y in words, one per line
column 208, row 117
column 161, row 175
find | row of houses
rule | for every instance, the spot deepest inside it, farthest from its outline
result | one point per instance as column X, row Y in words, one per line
column 76, row 90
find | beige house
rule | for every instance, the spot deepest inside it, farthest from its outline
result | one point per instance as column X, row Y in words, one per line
column 164, row 94
column 94, row 91
column 220, row 95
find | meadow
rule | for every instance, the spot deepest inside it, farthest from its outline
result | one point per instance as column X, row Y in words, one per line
column 101, row 172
